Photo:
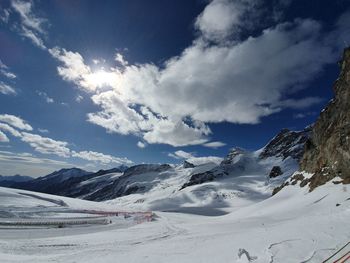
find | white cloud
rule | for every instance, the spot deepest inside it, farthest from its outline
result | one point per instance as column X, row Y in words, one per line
column 304, row 115
column 4, row 70
column 8, row 74
column 237, row 82
column 5, row 15
column 300, row 103
column 79, row 98
column 218, row 18
column 181, row 155
column 33, row 37
column 27, row 157
column 100, row 157
column 225, row 19
column 203, row 160
column 27, row 164
column 75, row 70
column 3, row 137
column 96, row 61
column 118, row 116
column 15, row 121
column 46, row 145
column 6, row 89
column 141, row 145
column 43, row 130
column 7, row 128
column 120, row 59
column 31, row 27
column 45, row 96
column 214, row 144
column 175, row 133
column 24, row 9
column 193, row 159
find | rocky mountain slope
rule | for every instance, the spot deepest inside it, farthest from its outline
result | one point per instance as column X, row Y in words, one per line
column 287, row 144
column 51, row 183
column 242, row 174
column 279, row 157
column 327, row 153
column 327, row 150
column 11, row 179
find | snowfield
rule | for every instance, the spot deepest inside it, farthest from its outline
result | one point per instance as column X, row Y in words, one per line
column 292, row 226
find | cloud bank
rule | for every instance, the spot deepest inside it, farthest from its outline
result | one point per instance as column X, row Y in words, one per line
column 17, row 127
column 221, row 77
column 245, row 63
column 190, row 157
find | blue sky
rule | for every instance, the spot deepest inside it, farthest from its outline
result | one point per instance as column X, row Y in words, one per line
column 96, row 84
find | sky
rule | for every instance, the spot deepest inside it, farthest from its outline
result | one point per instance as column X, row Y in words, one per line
column 98, row 84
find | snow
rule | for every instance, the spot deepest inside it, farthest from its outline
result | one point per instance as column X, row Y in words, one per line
column 105, row 179
column 291, row 226
column 241, row 181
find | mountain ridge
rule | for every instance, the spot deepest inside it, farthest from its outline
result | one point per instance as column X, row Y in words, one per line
column 147, row 178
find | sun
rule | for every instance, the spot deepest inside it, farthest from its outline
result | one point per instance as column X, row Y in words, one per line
column 102, row 78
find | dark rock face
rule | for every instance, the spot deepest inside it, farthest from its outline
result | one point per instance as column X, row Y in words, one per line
column 229, row 159
column 200, row 178
column 8, row 181
column 128, row 183
column 188, row 165
column 327, row 152
column 275, row 171
column 53, row 183
column 286, row 144
column 143, row 168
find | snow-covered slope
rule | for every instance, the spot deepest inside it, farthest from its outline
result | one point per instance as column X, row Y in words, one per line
column 241, row 178
column 204, row 213
column 219, row 188
column 292, row 226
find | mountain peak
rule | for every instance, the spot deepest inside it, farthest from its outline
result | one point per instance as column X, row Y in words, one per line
column 286, row 144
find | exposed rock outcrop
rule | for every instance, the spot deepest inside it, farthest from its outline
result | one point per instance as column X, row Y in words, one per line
column 275, row 171
column 287, row 144
column 187, row 164
column 233, row 156
column 327, row 152
column 201, row 178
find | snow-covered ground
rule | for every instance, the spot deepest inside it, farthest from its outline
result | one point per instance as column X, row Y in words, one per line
column 244, row 181
column 292, row 226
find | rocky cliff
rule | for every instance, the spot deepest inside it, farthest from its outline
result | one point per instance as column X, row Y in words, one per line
column 287, row 144
column 327, row 151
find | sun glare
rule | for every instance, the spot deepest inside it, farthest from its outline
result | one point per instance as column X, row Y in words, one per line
column 101, row 78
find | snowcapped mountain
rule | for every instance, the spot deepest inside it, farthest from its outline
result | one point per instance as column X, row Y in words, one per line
column 278, row 160
column 241, row 175
column 286, row 144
